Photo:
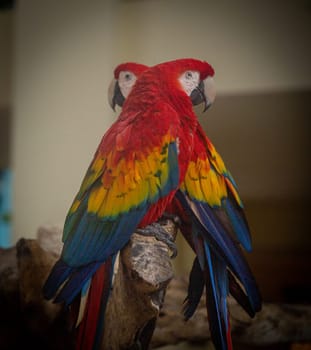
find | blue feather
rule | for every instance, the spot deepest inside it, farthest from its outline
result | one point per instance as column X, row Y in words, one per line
column 223, row 245
column 76, row 281
column 217, row 292
column 195, row 289
column 239, row 294
column 85, row 288
column 238, row 222
column 58, row 275
column 173, row 170
column 96, row 239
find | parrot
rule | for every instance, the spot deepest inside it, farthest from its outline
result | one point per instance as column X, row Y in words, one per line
column 135, row 173
column 212, row 221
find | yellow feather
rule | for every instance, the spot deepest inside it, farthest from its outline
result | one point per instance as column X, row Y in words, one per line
column 98, row 164
column 192, row 171
column 204, row 167
column 217, row 161
column 75, row 205
column 96, row 199
column 204, row 184
column 128, row 181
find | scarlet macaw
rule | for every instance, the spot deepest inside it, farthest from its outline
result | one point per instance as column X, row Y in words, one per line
column 139, row 165
column 213, row 223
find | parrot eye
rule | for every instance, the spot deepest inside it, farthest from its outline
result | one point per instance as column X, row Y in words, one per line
column 128, row 76
column 188, row 75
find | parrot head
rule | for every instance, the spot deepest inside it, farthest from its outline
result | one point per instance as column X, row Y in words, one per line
column 193, row 77
column 125, row 76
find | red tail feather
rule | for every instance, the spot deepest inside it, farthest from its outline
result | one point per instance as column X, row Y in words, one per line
column 229, row 339
column 88, row 328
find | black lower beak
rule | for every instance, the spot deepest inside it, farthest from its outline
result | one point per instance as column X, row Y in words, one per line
column 198, row 96
column 118, row 98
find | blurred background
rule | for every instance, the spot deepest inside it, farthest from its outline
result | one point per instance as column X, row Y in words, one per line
column 57, row 59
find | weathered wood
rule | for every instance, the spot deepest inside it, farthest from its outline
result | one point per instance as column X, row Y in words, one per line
column 142, row 281
column 33, row 267
column 26, row 318
column 139, row 287
column 8, row 275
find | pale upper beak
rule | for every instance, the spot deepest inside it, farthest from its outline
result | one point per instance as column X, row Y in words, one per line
column 115, row 96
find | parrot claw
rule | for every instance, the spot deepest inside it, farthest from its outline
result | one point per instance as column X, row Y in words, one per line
column 175, row 218
column 157, row 231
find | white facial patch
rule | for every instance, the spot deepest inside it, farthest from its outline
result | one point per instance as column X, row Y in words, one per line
column 189, row 81
column 126, row 81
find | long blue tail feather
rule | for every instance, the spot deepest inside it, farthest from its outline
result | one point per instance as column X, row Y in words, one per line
column 216, row 299
column 239, row 295
column 195, row 289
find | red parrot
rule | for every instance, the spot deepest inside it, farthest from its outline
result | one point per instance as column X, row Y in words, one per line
column 139, row 165
column 212, row 221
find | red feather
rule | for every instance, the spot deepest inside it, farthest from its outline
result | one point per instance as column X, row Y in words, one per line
column 88, row 331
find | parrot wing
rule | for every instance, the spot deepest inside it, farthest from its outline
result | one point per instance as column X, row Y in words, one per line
column 209, row 182
column 219, row 228
column 130, row 172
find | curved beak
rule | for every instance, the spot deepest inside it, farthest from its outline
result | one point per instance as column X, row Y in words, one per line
column 115, row 96
column 210, row 92
column 204, row 92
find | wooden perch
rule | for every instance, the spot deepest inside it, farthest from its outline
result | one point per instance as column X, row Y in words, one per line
column 142, row 281
column 138, row 293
